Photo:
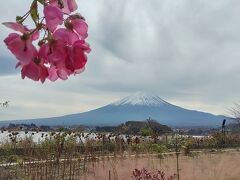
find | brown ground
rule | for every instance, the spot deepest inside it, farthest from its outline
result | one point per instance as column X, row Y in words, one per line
column 218, row 166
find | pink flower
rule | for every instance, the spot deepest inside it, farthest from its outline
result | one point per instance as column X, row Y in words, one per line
column 65, row 35
column 57, row 52
column 77, row 56
column 62, row 52
column 16, row 26
column 21, row 48
column 54, row 3
column 69, row 6
column 35, row 35
column 57, row 72
column 23, row 29
column 53, row 16
column 53, row 53
column 35, row 72
column 44, row 51
column 79, row 25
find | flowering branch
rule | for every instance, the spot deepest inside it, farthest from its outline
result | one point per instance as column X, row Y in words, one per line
column 62, row 49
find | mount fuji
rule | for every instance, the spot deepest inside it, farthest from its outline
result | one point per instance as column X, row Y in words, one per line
column 138, row 106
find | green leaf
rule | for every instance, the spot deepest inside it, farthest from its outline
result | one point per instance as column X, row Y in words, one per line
column 34, row 12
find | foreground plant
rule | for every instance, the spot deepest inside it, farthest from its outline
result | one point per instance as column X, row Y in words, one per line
column 60, row 34
column 145, row 174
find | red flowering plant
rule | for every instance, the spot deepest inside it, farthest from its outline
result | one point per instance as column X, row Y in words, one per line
column 144, row 174
column 61, row 49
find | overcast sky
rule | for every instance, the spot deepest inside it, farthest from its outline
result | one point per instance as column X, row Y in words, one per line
column 185, row 51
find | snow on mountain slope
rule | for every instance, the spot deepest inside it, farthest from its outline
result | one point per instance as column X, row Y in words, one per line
column 141, row 98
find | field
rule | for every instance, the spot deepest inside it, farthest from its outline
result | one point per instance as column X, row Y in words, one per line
column 88, row 156
column 204, row 166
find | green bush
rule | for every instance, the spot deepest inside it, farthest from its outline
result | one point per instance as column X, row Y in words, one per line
column 158, row 148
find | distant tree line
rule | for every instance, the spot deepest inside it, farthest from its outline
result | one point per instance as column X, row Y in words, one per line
column 26, row 127
column 145, row 128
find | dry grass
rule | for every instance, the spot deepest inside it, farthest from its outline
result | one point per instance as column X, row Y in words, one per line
column 61, row 156
column 218, row 166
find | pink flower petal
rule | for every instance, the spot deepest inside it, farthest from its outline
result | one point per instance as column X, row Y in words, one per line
column 16, row 26
column 58, row 52
column 78, row 71
column 52, row 71
column 18, row 65
column 81, row 27
column 53, row 16
column 44, row 73
column 28, row 54
column 31, row 71
column 65, row 35
column 69, row 6
column 22, row 49
column 78, row 57
column 35, row 35
column 62, row 73
column 44, row 51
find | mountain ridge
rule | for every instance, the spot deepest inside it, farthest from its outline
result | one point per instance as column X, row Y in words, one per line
column 138, row 106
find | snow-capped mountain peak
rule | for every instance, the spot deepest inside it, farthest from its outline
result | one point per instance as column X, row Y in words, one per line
column 141, row 98
column 138, row 106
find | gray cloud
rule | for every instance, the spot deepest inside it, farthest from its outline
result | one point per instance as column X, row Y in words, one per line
column 186, row 51
column 183, row 46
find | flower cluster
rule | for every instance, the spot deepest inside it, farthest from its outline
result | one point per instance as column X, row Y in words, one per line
column 61, row 38
column 144, row 174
